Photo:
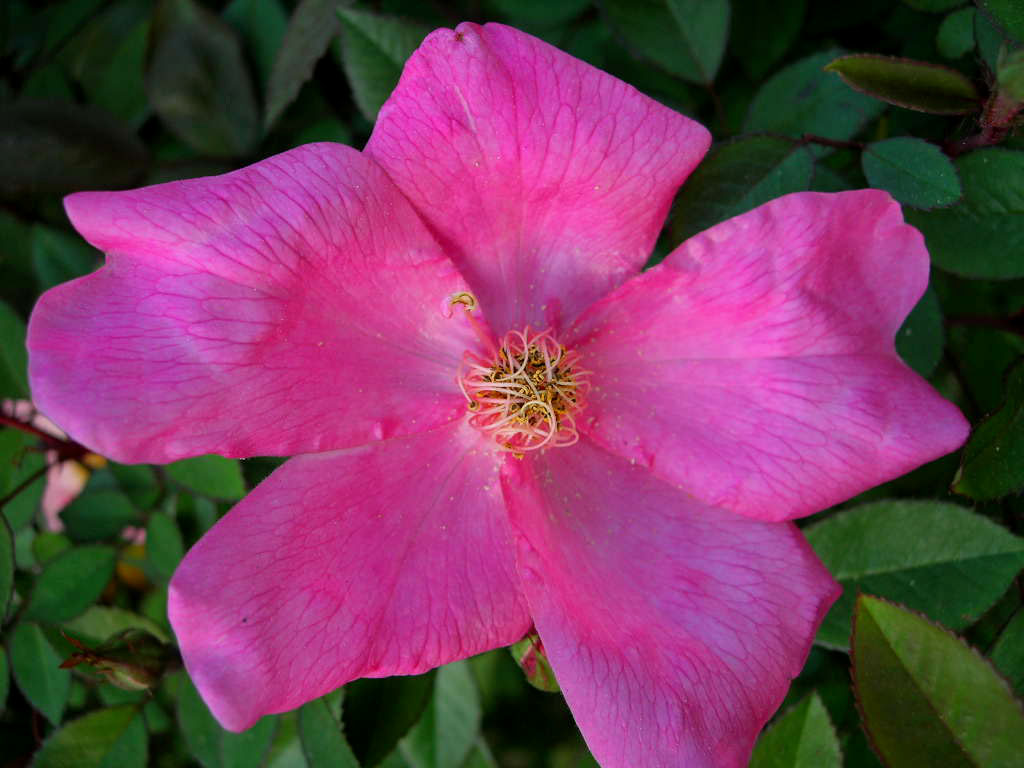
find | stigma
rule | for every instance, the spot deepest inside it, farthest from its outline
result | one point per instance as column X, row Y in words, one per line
column 525, row 396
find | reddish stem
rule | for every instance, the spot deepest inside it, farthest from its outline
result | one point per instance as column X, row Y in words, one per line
column 65, row 448
column 997, row 121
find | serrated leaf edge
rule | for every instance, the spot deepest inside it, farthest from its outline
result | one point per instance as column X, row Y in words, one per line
column 856, row 690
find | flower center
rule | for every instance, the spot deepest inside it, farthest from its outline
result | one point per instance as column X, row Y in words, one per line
column 526, row 395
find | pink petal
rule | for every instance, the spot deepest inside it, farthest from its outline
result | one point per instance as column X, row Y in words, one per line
column 673, row 628
column 755, row 368
column 546, row 180
column 291, row 306
column 386, row 559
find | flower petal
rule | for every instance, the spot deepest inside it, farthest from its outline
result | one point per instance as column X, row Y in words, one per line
column 673, row 628
column 386, row 559
column 546, row 180
column 756, row 368
column 292, row 306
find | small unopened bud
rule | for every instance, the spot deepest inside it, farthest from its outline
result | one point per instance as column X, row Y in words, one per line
column 529, row 655
column 132, row 659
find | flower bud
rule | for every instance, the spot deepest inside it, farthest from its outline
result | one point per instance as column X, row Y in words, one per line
column 132, row 659
column 529, row 655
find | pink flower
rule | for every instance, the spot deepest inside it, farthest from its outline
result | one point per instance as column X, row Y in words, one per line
column 318, row 303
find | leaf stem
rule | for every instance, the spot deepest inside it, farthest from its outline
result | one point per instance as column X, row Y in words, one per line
column 811, row 138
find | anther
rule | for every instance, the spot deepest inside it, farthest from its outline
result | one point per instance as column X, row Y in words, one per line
column 525, row 396
column 465, row 298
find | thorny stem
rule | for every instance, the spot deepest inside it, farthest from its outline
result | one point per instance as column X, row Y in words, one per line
column 997, row 120
column 989, row 136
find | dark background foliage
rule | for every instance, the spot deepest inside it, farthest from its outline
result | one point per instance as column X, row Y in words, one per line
column 109, row 94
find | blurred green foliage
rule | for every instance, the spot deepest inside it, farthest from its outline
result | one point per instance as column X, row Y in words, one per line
column 108, row 94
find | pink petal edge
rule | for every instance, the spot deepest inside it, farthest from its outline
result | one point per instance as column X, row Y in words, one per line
column 292, row 306
column 546, row 180
column 674, row 629
column 387, row 559
column 756, row 369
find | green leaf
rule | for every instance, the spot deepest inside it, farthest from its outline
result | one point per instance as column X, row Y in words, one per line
column 481, row 757
column 107, row 58
column 12, row 448
column 982, row 236
column 540, row 13
column 137, row 482
column 164, row 546
column 373, row 51
column 917, row 85
column 801, row 738
column 802, row 98
column 926, row 697
column 1010, row 80
column 261, row 25
column 201, row 731
column 6, row 568
column 323, row 742
column 5, row 679
column 20, row 510
column 98, row 514
column 36, row 668
column 58, row 257
column 53, row 148
column 309, row 32
column 956, row 34
column 210, row 475
column 450, row 724
column 737, row 177
column 990, row 39
column 933, row 6
column 936, row 557
column 380, row 712
column 47, row 545
column 1007, row 14
column 13, row 356
column 286, row 750
column 762, row 31
column 1008, row 652
column 913, row 171
column 198, row 82
column 921, row 338
column 70, row 583
column 100, row 622
column 210, row 744
column 248, row 748
column 993, row 460
column 686, row 37
column 106, row 738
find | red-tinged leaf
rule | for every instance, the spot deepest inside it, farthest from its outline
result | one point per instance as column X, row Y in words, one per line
column 926, row 697
column 916, row 85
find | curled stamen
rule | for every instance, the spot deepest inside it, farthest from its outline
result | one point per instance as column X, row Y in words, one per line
column 526, row 396
column 465, row 298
